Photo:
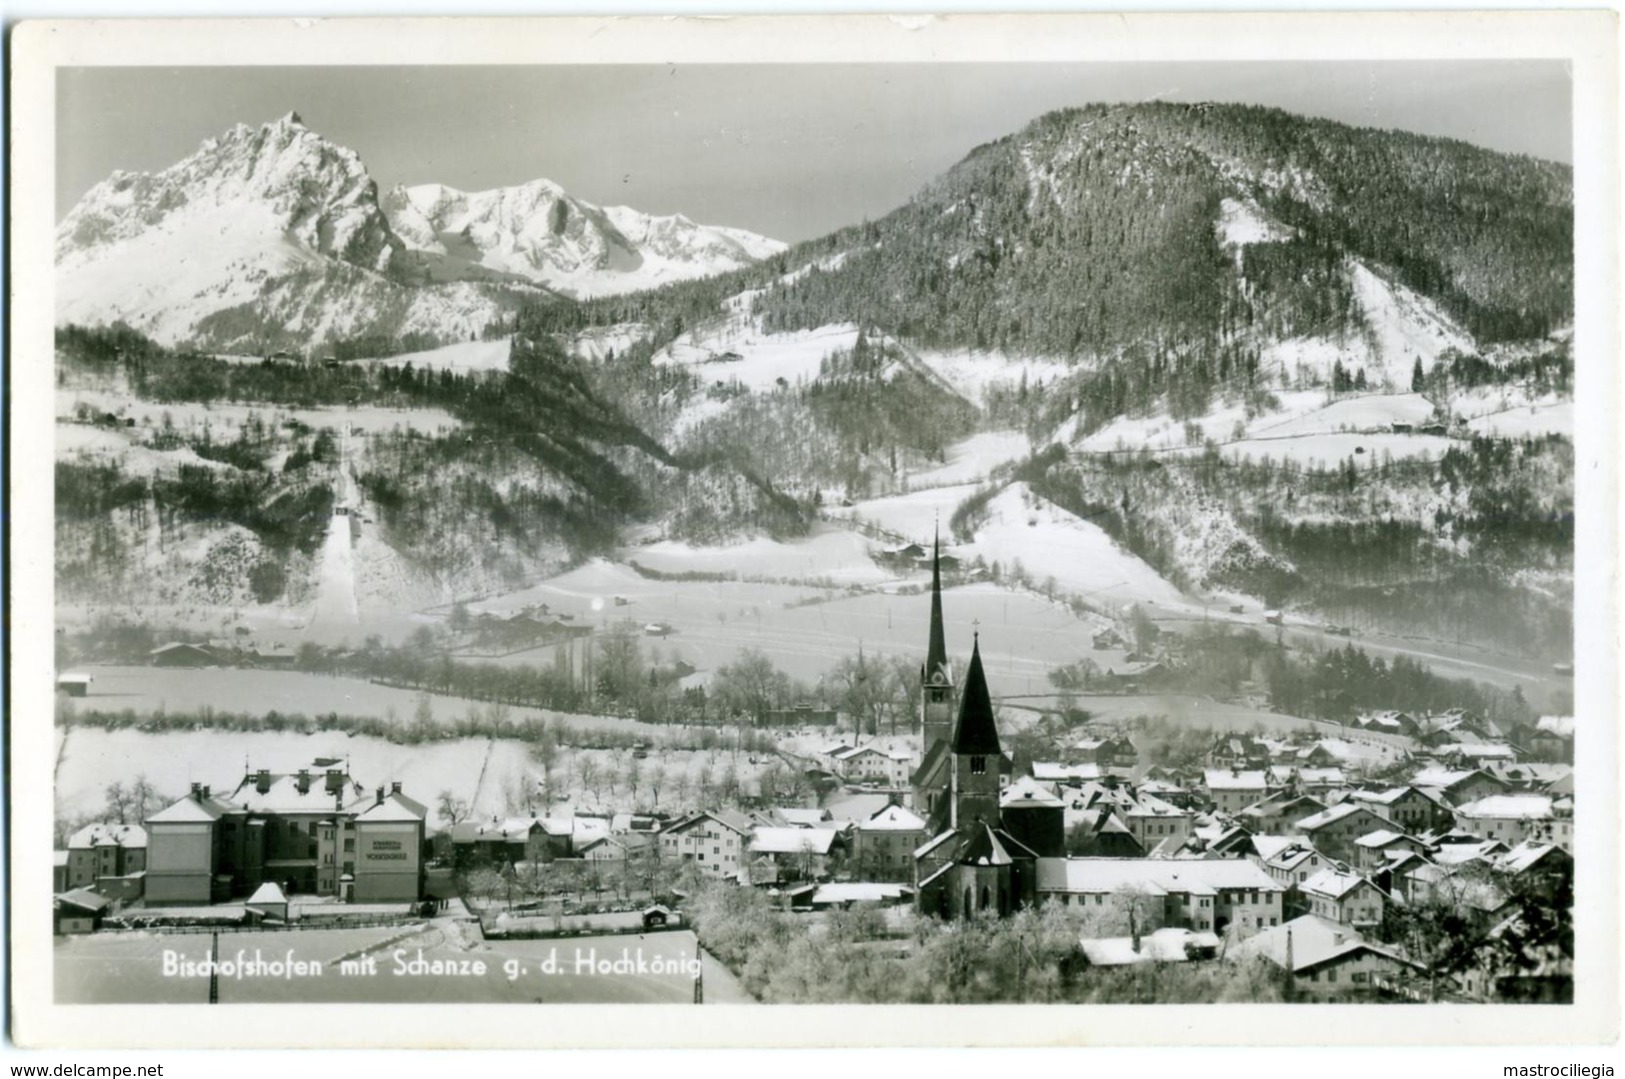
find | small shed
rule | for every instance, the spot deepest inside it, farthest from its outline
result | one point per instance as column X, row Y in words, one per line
column 659, row 916
column 78, row 911
column 269, row 901
column 178, row 654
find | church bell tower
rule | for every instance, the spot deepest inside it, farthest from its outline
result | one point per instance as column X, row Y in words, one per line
column 936, row 677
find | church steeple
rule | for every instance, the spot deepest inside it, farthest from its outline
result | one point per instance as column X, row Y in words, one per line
column 936, row 677
column 974, row 786
column 936, row 652
column 976, row 732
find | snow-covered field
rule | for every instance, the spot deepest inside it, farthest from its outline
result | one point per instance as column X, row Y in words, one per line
column 1556, row 418
column 462, row 357
column 831, row 554
column 763, row 358
column 917, row 514
column 496, row 777
column 1372, row 412
column 222, row 417
column 974, row 459
column 1326, row 450
column 971, row 372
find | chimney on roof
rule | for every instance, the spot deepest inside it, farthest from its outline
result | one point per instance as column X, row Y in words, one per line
column 395, row 787
column 197, row 791
column 1337, row 938
column 335, row 781
column 380, row 796
column 263, row 782
column 303, row 782
column 205, row 790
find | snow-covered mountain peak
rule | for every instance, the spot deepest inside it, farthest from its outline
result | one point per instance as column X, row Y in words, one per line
column 539, row 232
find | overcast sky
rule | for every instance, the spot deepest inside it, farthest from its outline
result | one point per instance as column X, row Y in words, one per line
column 790, row 151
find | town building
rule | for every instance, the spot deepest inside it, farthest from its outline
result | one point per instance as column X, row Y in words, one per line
column 1509, row 818
column 1343, row 897
column 883, row 846
column 1227, row 896
column 1412, row 809
column 301, row 830
column 714, row 840
column 1230, row 790
column 1333, row 831
column 1329, row 961
column 78, row 910
column 107, row 858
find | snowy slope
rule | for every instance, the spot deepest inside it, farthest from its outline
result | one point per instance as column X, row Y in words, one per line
column 1049, row 542
column 537, row 232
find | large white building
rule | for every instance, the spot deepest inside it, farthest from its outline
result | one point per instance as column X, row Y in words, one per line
column 1224, row 895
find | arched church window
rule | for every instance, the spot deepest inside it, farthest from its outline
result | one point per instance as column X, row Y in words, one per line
column 978, row 766
column 987, row 898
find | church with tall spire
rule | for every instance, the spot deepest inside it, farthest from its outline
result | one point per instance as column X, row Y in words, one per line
column 971, row 866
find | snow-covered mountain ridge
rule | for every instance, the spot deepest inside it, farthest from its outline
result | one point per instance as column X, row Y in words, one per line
column 273, row 235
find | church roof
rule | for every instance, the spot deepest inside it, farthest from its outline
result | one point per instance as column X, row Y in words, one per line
column 976, row 732
column 936, row 653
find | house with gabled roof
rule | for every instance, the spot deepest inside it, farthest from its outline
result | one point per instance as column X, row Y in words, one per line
column 1509, row 818
column 102, row 851
column 1333, row 831
column 714, row 840
column 1230, row 897
column 1329, row 961
column 1231, row 790
column 1409, row 808
column 1376, row 849
column 883, row 846
column 78, row 910
column 1343, row 897
column 1279, row 810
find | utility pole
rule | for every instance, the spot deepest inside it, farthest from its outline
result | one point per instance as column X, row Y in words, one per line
column 214, row 968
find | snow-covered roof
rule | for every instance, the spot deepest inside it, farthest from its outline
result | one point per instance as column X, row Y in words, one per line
column 1479, row 751
column 1508, row 807
column 1459, row 853
column 859, row 892
column 1561, row 726
column 1314, row 941
column 791, row 840
column 128, row 836
column 804, row 818
column 267, row 893
column 191, row 810
column 1338, row 812
column 1269, row 846
column 1291, row 856
column 1053, row 772
column 1150, row 876
column 389, row 810
column 1380, row 838
column 1027, row 792
column 893, row 818
column 1524, row 855
column 1332, row 882
column 1225, row 779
